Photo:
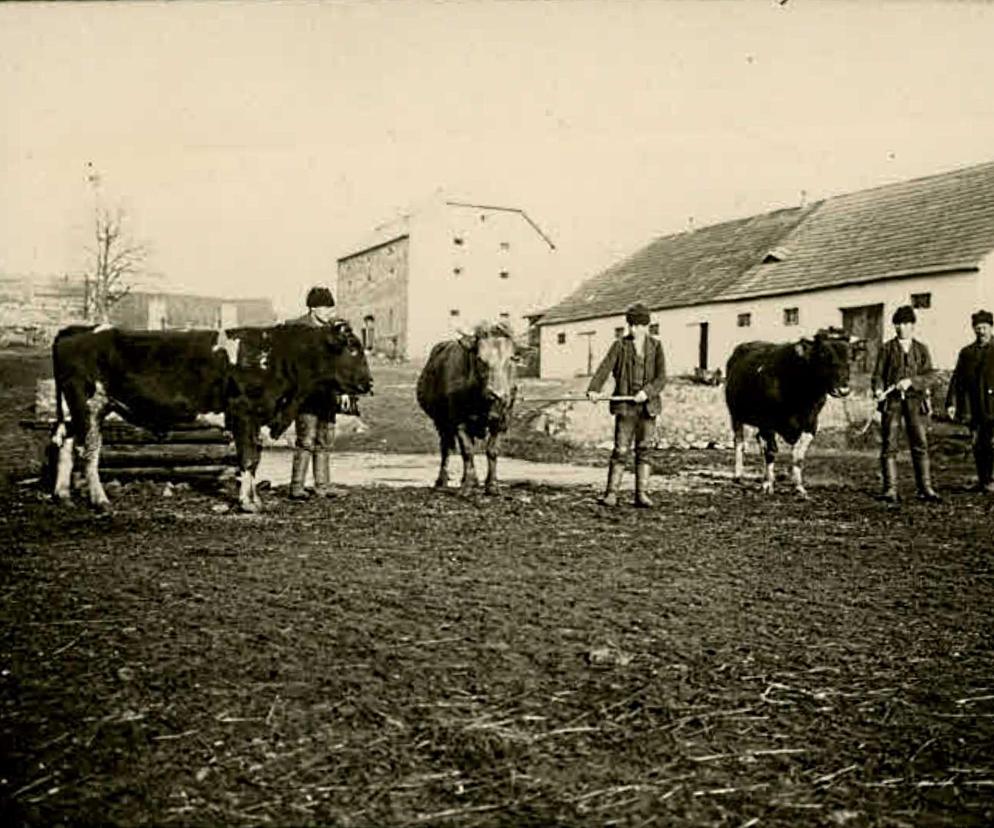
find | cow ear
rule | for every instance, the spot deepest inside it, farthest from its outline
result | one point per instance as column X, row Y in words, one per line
column 803, row 346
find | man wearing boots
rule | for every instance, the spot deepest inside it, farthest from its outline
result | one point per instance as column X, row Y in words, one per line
column 315, row 423
column 639, row 369
column 970, row 398
column 900, row 382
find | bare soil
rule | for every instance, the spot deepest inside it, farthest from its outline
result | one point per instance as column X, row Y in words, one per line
column 409, row 657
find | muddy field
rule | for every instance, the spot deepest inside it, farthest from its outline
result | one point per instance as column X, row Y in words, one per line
column 400, row 656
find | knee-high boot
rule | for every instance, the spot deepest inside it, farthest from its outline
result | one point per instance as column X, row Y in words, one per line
column 298, row 474
column 888, row 467
column 923, row 478
column 642, row 471
column 322, row 475
column 615, row 470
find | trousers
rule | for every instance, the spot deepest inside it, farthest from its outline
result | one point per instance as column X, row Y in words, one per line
column 629, row 426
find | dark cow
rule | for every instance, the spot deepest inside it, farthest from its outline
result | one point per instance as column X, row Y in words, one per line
column 467, row 387
column 157, row 379
column 781, row 389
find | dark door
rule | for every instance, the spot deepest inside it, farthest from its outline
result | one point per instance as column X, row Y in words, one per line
column 867, row 323
column 702, row 348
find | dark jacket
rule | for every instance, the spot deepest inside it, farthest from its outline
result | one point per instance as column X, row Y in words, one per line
column 971, row 387
column 620, row 363
column 893, row 365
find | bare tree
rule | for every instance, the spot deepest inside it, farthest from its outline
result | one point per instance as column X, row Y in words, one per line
column 117, row 260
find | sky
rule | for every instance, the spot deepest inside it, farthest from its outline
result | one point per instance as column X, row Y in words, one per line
column 252, row 144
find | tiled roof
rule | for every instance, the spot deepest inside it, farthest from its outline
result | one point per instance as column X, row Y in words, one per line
column 926, row 225
column 677, row 270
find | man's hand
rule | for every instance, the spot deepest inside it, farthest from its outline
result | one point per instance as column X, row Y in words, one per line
column 903, row 384
column 951, row 412
column 641, row 397
column 880, row 394
column 593, row 396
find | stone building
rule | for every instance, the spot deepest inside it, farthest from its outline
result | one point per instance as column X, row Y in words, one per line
column 847, row 261
column 442, row 267
column 34, row 307
column 156, row 310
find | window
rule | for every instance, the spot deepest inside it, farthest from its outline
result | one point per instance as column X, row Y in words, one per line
column 505, row 315
column 454, row 313
column 618, row 332
column 504, row 274
column 791, row 316
column 921, row 300
column 457, row 271
column 457, row 241
column 744, row 320
column 654, row 328
column 505, row 245
column 561, row 338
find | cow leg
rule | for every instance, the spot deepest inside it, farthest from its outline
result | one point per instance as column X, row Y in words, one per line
column 446, row 442
column 62, row 491
column 797, row 461
column 248, row 451
column 469, row 479
column 769, row 441
column 738, row 439
column 491, row 486
column 92, row 443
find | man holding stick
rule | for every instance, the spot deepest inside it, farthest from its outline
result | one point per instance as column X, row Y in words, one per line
column 637, row 364
column 900, row 382
column 970, row 398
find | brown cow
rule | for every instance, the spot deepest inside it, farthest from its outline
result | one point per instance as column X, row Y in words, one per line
column 468, row 387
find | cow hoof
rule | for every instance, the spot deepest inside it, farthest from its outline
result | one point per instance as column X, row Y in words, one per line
column 442, row 483
column 248, row 507
column 768, row 488
column 491, row 489
column 803, row 494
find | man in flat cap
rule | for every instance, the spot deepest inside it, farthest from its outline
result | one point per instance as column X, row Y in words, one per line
column 901, row 382
column 970, row 398
column 638, row 366
column 315, row 423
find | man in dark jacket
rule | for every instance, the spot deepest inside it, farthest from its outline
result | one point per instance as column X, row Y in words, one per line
column 970, row 398
column 315, row 423
column 638, row 366
column 901, row 381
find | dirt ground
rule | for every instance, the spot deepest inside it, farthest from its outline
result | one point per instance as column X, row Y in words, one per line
column 400, row 656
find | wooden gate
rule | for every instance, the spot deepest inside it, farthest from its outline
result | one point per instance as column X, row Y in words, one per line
column 867, row 323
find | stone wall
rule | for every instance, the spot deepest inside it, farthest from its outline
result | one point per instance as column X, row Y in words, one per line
column 695, row 416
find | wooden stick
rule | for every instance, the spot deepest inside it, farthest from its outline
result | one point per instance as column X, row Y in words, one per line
column 576, row 399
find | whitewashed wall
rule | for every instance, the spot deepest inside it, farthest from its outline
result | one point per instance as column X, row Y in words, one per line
column 944, row 327
column 478, row 292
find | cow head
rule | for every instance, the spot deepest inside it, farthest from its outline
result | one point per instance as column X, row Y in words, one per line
column 343, row 361
column 494, row 351
column 305, row 360
column 827, row 356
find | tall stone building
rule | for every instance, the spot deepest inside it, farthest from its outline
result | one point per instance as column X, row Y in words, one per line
column 448, row 265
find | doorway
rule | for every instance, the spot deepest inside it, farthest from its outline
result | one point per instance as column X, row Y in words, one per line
column 865, row 322
column 702, row 348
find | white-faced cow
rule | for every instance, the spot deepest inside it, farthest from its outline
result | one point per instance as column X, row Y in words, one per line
column 157, row 379
column 781, row 389
column 468, row 387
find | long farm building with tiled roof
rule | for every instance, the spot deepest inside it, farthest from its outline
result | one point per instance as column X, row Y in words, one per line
column 847, row 261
